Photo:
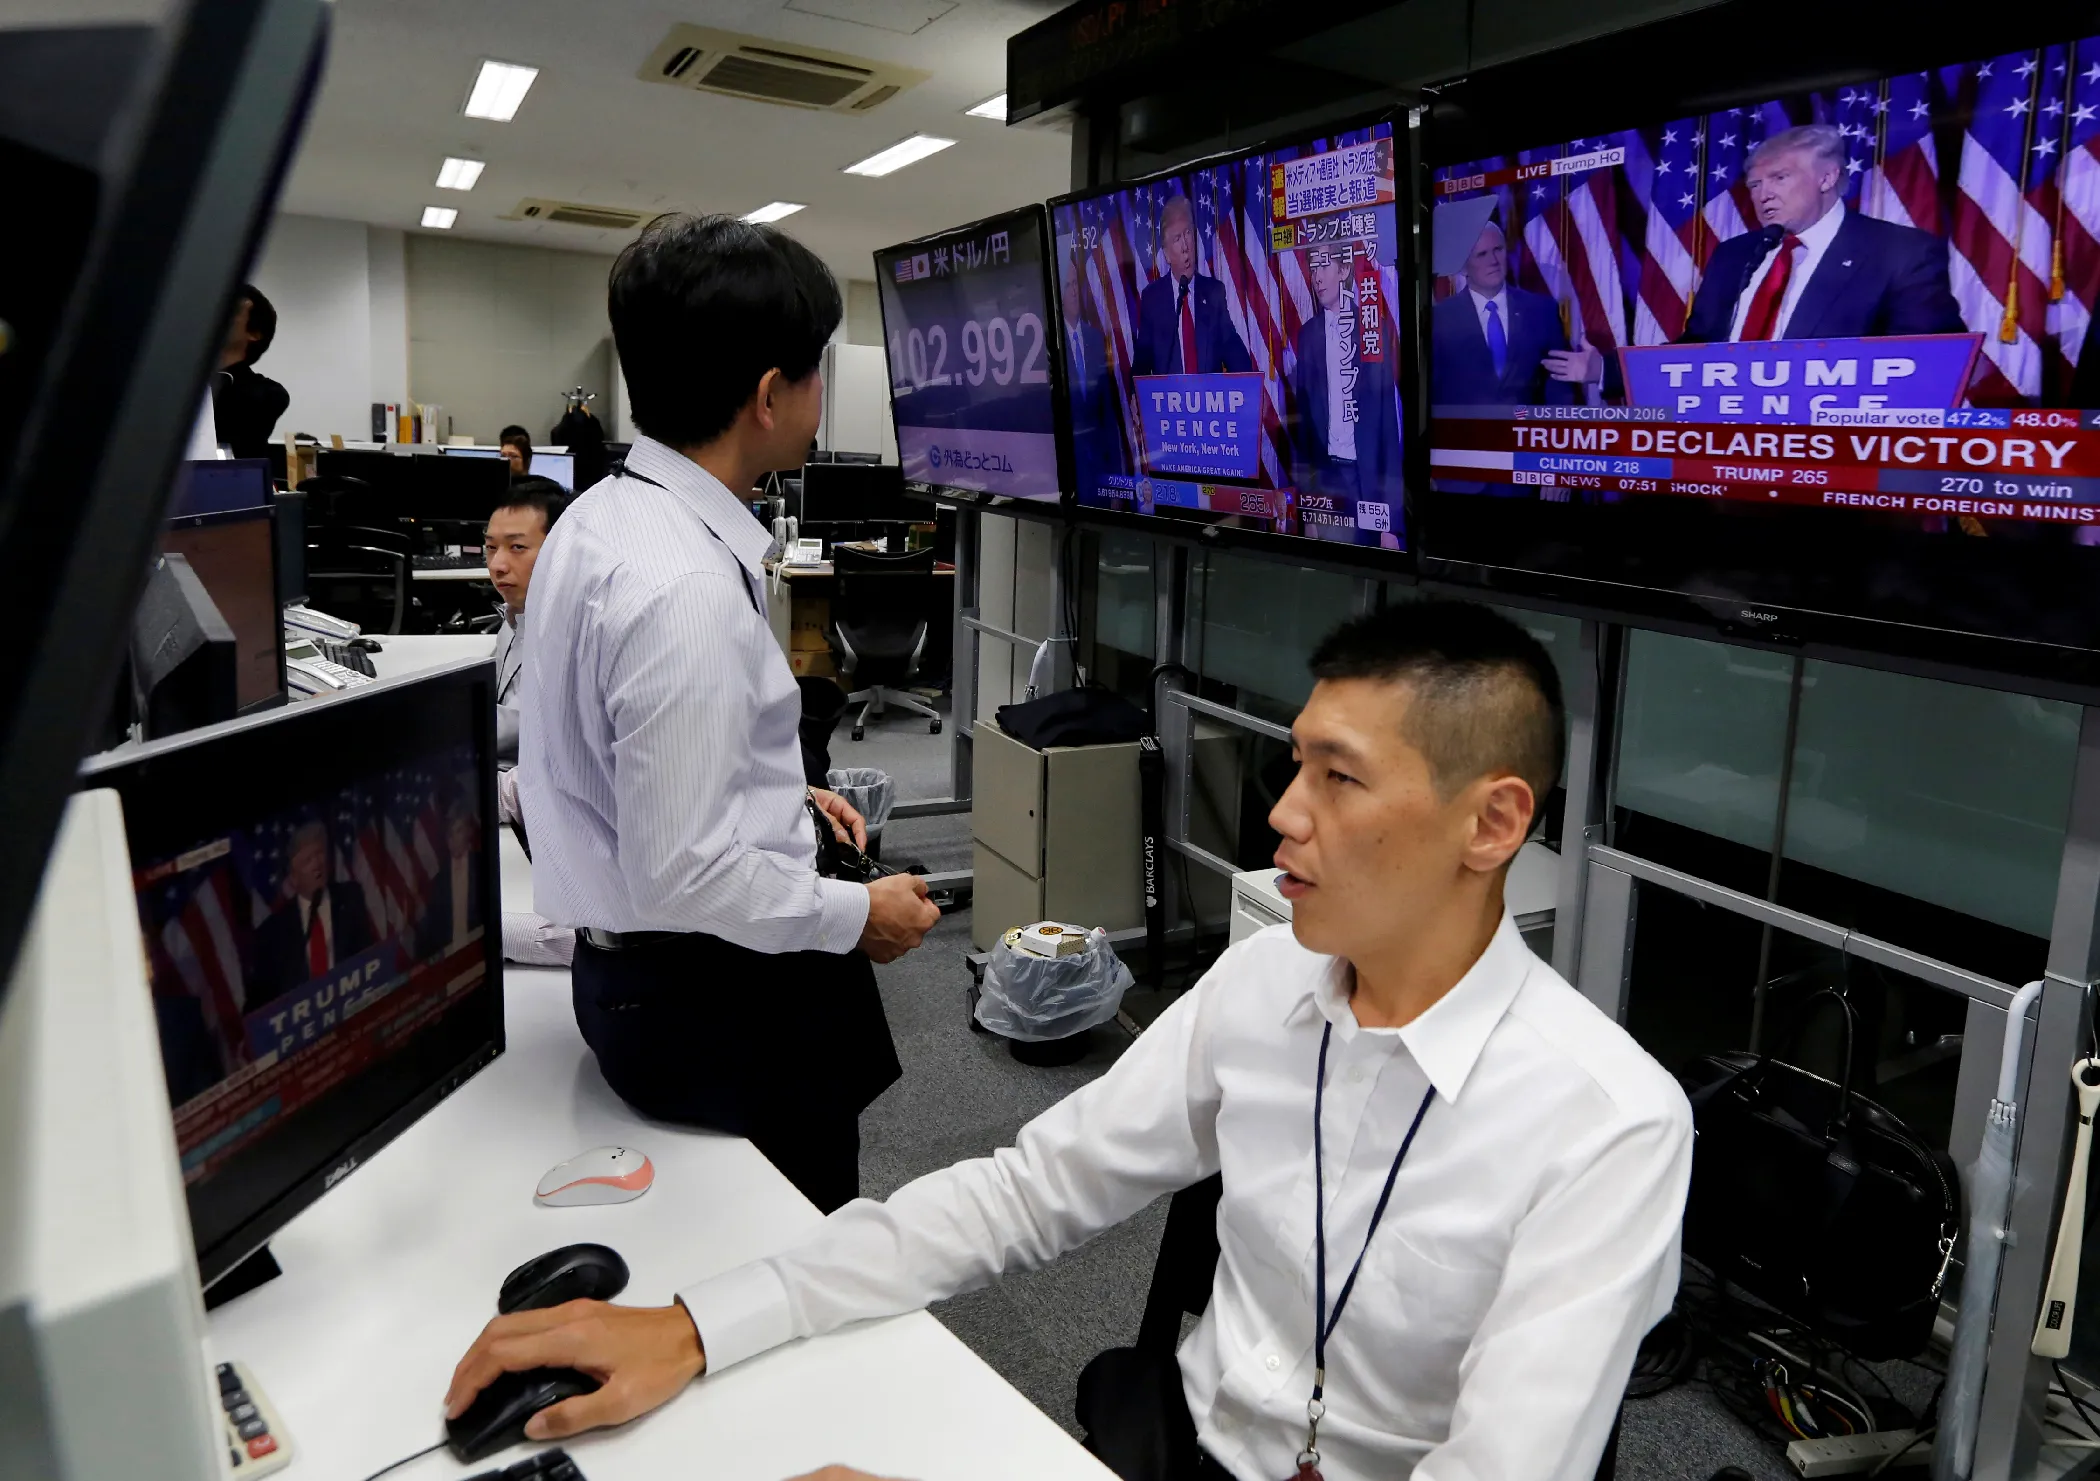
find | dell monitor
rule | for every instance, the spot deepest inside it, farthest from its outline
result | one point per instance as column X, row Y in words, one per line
column 1784, row 345
column 185, row 660
column 316, row 891
column 235, row 555
column 973, row 360
column 1234, row 348
column 561, row 467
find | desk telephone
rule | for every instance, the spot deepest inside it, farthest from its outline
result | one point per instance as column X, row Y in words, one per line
column 313, row 666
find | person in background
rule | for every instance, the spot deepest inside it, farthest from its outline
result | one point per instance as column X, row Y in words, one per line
column 510, row 544
column 1344, row 420
column 318, row 924
column 246, row 405
column 719, row 980
column 1392, row 1078
column 516, row 443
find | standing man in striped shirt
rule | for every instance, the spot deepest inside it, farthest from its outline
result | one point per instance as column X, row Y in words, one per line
column 718, row 979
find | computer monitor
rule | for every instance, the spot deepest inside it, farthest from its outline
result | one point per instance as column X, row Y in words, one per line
column 99, row 1298
column 185, row 666
column 217, row 486
column 290, row 1058
column 155, row 154
column 855, row 493
column 235, row 555
column 561, row 467
column 474, row 452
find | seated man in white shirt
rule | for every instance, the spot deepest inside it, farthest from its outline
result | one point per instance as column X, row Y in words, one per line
column 1504, row 1164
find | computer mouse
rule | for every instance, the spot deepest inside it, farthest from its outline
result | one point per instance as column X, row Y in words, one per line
column 575, row 1272
column 496, row 1418
column 601, row 1175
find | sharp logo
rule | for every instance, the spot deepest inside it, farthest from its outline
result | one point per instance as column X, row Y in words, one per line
column 337, row 1174
column 1751, row 614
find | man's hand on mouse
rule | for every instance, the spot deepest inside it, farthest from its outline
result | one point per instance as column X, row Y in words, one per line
column 641, row 1356
column 899, row 916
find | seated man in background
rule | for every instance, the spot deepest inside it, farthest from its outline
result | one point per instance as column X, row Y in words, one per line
column 1508, row 1167
column 510, row 544
column 516, row 443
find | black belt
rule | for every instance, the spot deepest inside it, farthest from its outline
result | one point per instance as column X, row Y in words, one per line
column 629, row 940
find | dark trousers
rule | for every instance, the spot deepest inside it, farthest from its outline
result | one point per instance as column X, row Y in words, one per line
column 1137, row 1420
column 786, row 1050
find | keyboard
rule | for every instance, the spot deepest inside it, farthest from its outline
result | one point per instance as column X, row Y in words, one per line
column 548, row 1465
column 357, row 660
column 255, row 1437
column 474, row 561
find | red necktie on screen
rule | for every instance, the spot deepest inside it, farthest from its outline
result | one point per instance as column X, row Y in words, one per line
column 1763, row 317
column 316, row 944
column 1188, row 327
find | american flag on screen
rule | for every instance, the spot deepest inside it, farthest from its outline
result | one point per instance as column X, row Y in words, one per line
column 2000, row 156
column 197, row 935
column 1267, row 295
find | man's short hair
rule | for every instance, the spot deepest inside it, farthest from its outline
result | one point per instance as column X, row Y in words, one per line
column 1175, row 203
column 1486, row 698
column 701, row 307
column 518, row 437
column 262, row 322
column 312, row 828
column 534, row 492
column 1821, row 141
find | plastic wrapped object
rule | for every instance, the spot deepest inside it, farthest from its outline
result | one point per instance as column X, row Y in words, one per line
column 869, row 789
column 1035, row 999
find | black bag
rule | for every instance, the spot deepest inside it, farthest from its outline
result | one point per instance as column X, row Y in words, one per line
column 1818, row 1201
column 1074, row 717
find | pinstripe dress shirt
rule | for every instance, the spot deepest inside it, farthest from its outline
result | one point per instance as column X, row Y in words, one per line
column 659, row 755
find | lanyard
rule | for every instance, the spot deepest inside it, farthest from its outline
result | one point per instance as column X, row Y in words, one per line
column 621, row 470
column 1324, row 1323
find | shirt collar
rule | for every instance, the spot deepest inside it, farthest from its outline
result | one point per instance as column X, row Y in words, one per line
column 719, row 509
column 1817, row 236
column 1482, row 300
column 1447, row 1040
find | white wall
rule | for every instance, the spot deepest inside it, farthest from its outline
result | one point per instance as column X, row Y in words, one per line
column 386, row 254
column 318, row 275
column 497, row 332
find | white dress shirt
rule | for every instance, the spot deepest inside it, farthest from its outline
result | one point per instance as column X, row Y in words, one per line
column 1341, row 429
column 1815, row 241
column 1532, row 1236
column 662, row 767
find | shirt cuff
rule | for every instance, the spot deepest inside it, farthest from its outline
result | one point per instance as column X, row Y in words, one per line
column 842, row 914
column 739, row 1314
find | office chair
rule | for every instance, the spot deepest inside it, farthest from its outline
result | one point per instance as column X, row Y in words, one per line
column 1182, row 1278
column 360, row 575
column 878, row 630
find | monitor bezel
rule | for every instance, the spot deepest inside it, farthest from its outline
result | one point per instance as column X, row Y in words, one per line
column 1061, row 431
column 1229, row 534
column 474, row 679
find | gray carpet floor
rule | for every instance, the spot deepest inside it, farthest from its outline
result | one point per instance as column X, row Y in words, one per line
column 963, row 1096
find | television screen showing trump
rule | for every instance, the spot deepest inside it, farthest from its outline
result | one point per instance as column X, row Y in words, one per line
column 1872, row 297
column 1231, row 347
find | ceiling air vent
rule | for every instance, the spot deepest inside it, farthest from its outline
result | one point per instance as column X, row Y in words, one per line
column 770, row 72
column 569, row 213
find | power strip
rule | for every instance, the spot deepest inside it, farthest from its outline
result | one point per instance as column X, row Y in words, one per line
column 1845, row 1455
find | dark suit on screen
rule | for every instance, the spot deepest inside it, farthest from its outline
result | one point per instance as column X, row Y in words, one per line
column 1158, row 350
column 1375, row 474
column 1097, row 442
column 1877, row 277
column 280, row 942
column 1462, row 371
column 434, row 929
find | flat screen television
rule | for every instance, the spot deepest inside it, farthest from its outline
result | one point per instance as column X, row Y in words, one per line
column 1802, row 361
column 1233, row 352
column 973, row 360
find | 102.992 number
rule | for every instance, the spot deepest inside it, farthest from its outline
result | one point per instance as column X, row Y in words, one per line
column 989, row 350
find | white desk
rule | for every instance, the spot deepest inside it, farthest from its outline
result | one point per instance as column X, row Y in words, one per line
column 390, row 1276
column 410, row 653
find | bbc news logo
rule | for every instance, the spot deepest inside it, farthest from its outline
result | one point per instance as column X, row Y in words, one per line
column 962, row 460
column 911, row 269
